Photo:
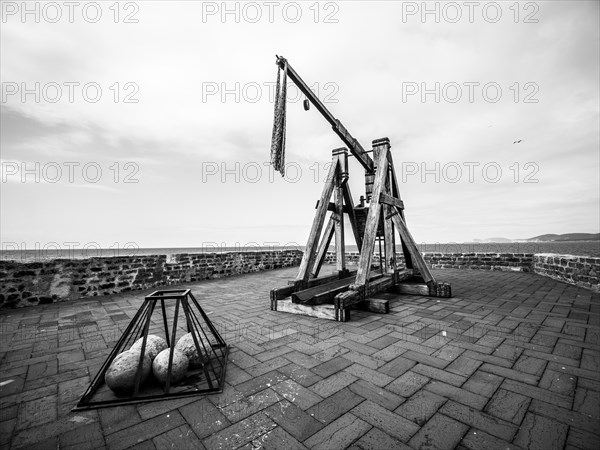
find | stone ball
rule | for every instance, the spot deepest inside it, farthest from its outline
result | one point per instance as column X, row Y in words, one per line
column 154, row 345
column 160, row 366
column 186, row 345
column 121, row 374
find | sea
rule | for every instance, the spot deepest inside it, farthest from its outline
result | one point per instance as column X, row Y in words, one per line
column 41, row 254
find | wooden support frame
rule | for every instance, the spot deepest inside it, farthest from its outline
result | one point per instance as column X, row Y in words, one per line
column 332, row 297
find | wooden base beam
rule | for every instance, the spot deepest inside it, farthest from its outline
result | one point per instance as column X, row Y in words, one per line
column 320, row 311
column 377, row 305
column 431, row 289
column 322, row 294
column 327, row 311
column 294, row 286
column 353, row 299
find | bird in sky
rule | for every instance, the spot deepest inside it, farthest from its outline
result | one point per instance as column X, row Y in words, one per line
column 518, row 142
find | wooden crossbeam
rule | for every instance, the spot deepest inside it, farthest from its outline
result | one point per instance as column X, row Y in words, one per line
column 391, row 201
column 331, row 207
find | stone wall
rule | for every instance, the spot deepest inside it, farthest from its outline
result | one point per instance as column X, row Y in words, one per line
column 521, row 262
column 26, row 284
column 582, row 271
column 579, row 270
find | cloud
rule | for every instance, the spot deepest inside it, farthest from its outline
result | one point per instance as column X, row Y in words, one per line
column 172, row 60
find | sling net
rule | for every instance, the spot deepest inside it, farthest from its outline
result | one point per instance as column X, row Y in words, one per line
column 278, row 138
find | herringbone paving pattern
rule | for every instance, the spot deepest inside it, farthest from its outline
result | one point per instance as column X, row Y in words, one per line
column 511, row 361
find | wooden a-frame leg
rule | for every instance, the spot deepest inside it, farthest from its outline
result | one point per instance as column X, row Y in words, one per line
column 338, row 217
column 324, row 246
column 310, row 252
column 366, row 255
column 396, row 193
column 388, row 228
column 412, row 247
column 352, row 216
column 336, row 220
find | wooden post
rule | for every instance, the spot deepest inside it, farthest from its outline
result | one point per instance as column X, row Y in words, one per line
column 338, row 216
column 323, row 246
column 310, row 253
column 366, row 255
column 352, row 216
column 388, row 226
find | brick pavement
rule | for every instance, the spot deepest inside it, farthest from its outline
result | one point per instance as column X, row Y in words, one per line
column 511, row 361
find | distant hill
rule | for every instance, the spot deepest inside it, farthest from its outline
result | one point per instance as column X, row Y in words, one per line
column 566, row 237
column 492, row 240
column 543, row 238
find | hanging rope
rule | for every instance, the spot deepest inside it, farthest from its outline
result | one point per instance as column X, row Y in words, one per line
column 278, row 138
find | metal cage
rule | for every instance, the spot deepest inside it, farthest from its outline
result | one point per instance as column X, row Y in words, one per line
column 179, row 313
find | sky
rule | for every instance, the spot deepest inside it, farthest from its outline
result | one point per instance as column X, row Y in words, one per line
column 149, row 123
